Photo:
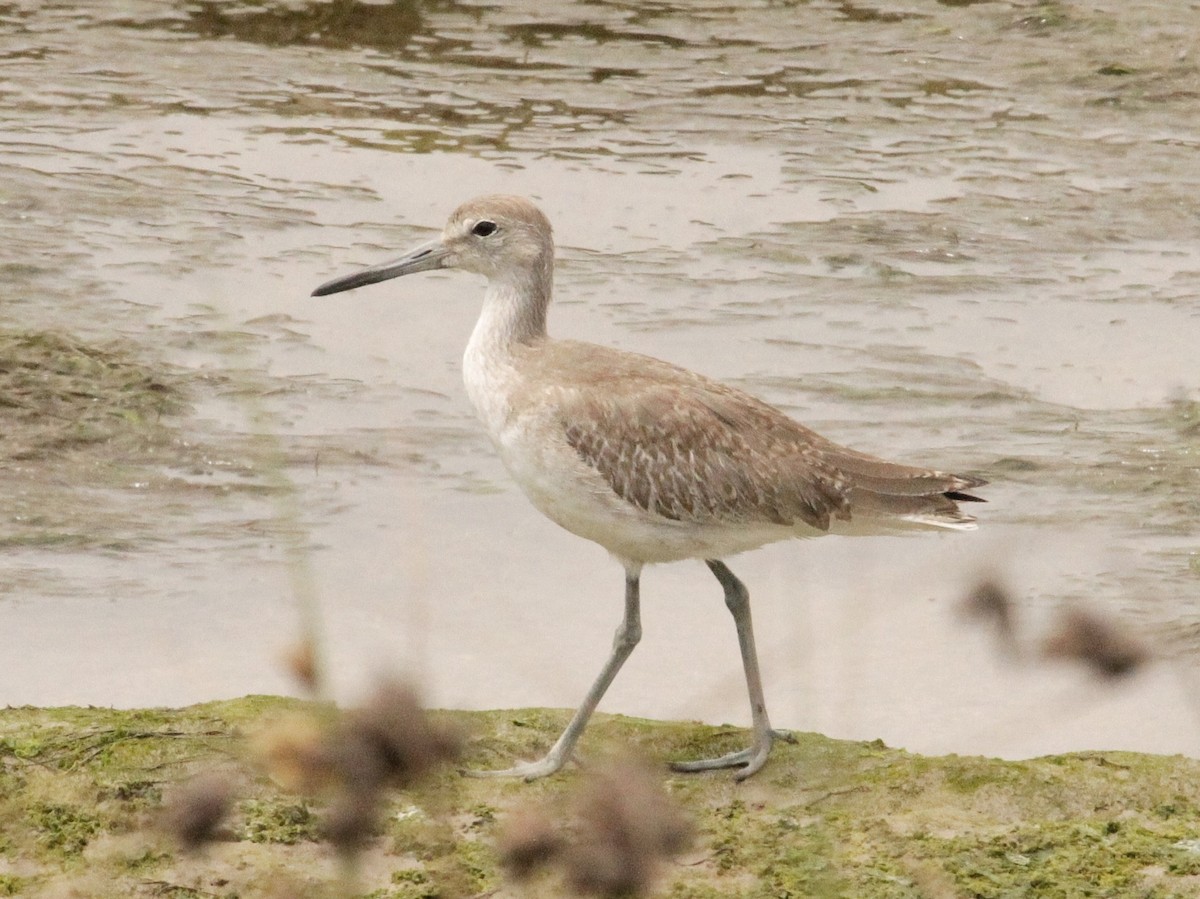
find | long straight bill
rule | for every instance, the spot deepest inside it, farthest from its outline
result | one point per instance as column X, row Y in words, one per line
column 424, row 258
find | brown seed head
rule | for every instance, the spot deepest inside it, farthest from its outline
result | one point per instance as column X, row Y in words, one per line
column 992, row 603
column 391, row 739
column 529, row 841
column 627, row 827
column 351, row 819
column 300, row 659
column 296, row 754
column 193, row 817
column 1096, row 640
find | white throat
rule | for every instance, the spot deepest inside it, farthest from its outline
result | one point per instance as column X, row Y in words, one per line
column 511, row 318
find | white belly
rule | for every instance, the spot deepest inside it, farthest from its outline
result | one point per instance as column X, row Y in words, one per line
column 576, row 497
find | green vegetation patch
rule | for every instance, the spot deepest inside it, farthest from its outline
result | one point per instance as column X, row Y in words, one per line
column 83, row 788
column 80, row 425
column 63, row 827
column 58, row 394
column 277, row 820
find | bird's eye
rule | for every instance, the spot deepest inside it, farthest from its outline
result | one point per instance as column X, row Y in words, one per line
column 484, row 228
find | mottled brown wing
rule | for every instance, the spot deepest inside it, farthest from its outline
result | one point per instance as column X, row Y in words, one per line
column 702, row 452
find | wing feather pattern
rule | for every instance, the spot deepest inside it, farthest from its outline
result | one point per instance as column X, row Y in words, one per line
column 685, row 455
column 686, row 448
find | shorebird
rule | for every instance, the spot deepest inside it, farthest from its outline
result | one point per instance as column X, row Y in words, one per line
column 653, row 462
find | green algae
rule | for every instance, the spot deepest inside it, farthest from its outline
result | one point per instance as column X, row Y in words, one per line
column 81, row 788
column 58, row 394
column 78, row 420
column 63, row 827
column 98, row 453
column 278, row 820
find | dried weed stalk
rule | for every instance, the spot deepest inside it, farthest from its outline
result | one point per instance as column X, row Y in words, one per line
column 619, row 828
column 1108, row 647
column 193, row 817
column 1100, row 642
column 353, row 757
column 992, row 604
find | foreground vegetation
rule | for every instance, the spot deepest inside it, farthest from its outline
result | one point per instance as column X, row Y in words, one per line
column 82, row 792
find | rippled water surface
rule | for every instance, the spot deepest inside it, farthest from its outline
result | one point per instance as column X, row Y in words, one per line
column 954, row 233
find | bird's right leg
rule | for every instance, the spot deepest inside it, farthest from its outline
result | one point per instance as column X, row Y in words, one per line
column 626, row 638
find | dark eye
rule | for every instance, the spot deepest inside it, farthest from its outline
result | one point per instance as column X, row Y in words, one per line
column 484, row 228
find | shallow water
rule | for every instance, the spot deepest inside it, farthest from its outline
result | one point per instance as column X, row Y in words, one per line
column 956, row 234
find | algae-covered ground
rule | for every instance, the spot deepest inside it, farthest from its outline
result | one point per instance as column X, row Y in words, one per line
column 77, row 420
column 57, row 394
column 98, row 452
column 82, row 788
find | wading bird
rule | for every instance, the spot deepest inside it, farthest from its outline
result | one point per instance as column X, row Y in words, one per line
column 653, row 462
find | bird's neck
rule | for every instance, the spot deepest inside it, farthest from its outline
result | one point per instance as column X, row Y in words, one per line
column 513, row 320
column 513, row 314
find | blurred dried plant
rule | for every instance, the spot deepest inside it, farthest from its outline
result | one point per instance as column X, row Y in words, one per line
column 352, row 757
column 992, row 604
column 391, row 739
column 193, row 816
column 530, row 840
column 300, row 660
column 619, row 826
column 294, row 751
column 1109, row 648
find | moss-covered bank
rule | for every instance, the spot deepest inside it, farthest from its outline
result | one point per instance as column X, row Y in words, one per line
column 81, row 788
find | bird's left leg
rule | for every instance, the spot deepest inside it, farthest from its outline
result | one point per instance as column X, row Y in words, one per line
column 751, row 759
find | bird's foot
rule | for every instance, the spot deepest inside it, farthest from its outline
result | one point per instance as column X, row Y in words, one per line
column 750, row 760
column 526, row 770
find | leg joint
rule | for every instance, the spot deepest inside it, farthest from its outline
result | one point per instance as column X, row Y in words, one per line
column 628, row 635
column 737, row 597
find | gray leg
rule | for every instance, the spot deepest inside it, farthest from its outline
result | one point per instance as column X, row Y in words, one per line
column 737, row 599
column 627, row 637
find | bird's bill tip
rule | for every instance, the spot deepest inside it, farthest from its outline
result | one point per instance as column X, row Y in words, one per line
column 424, row 258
